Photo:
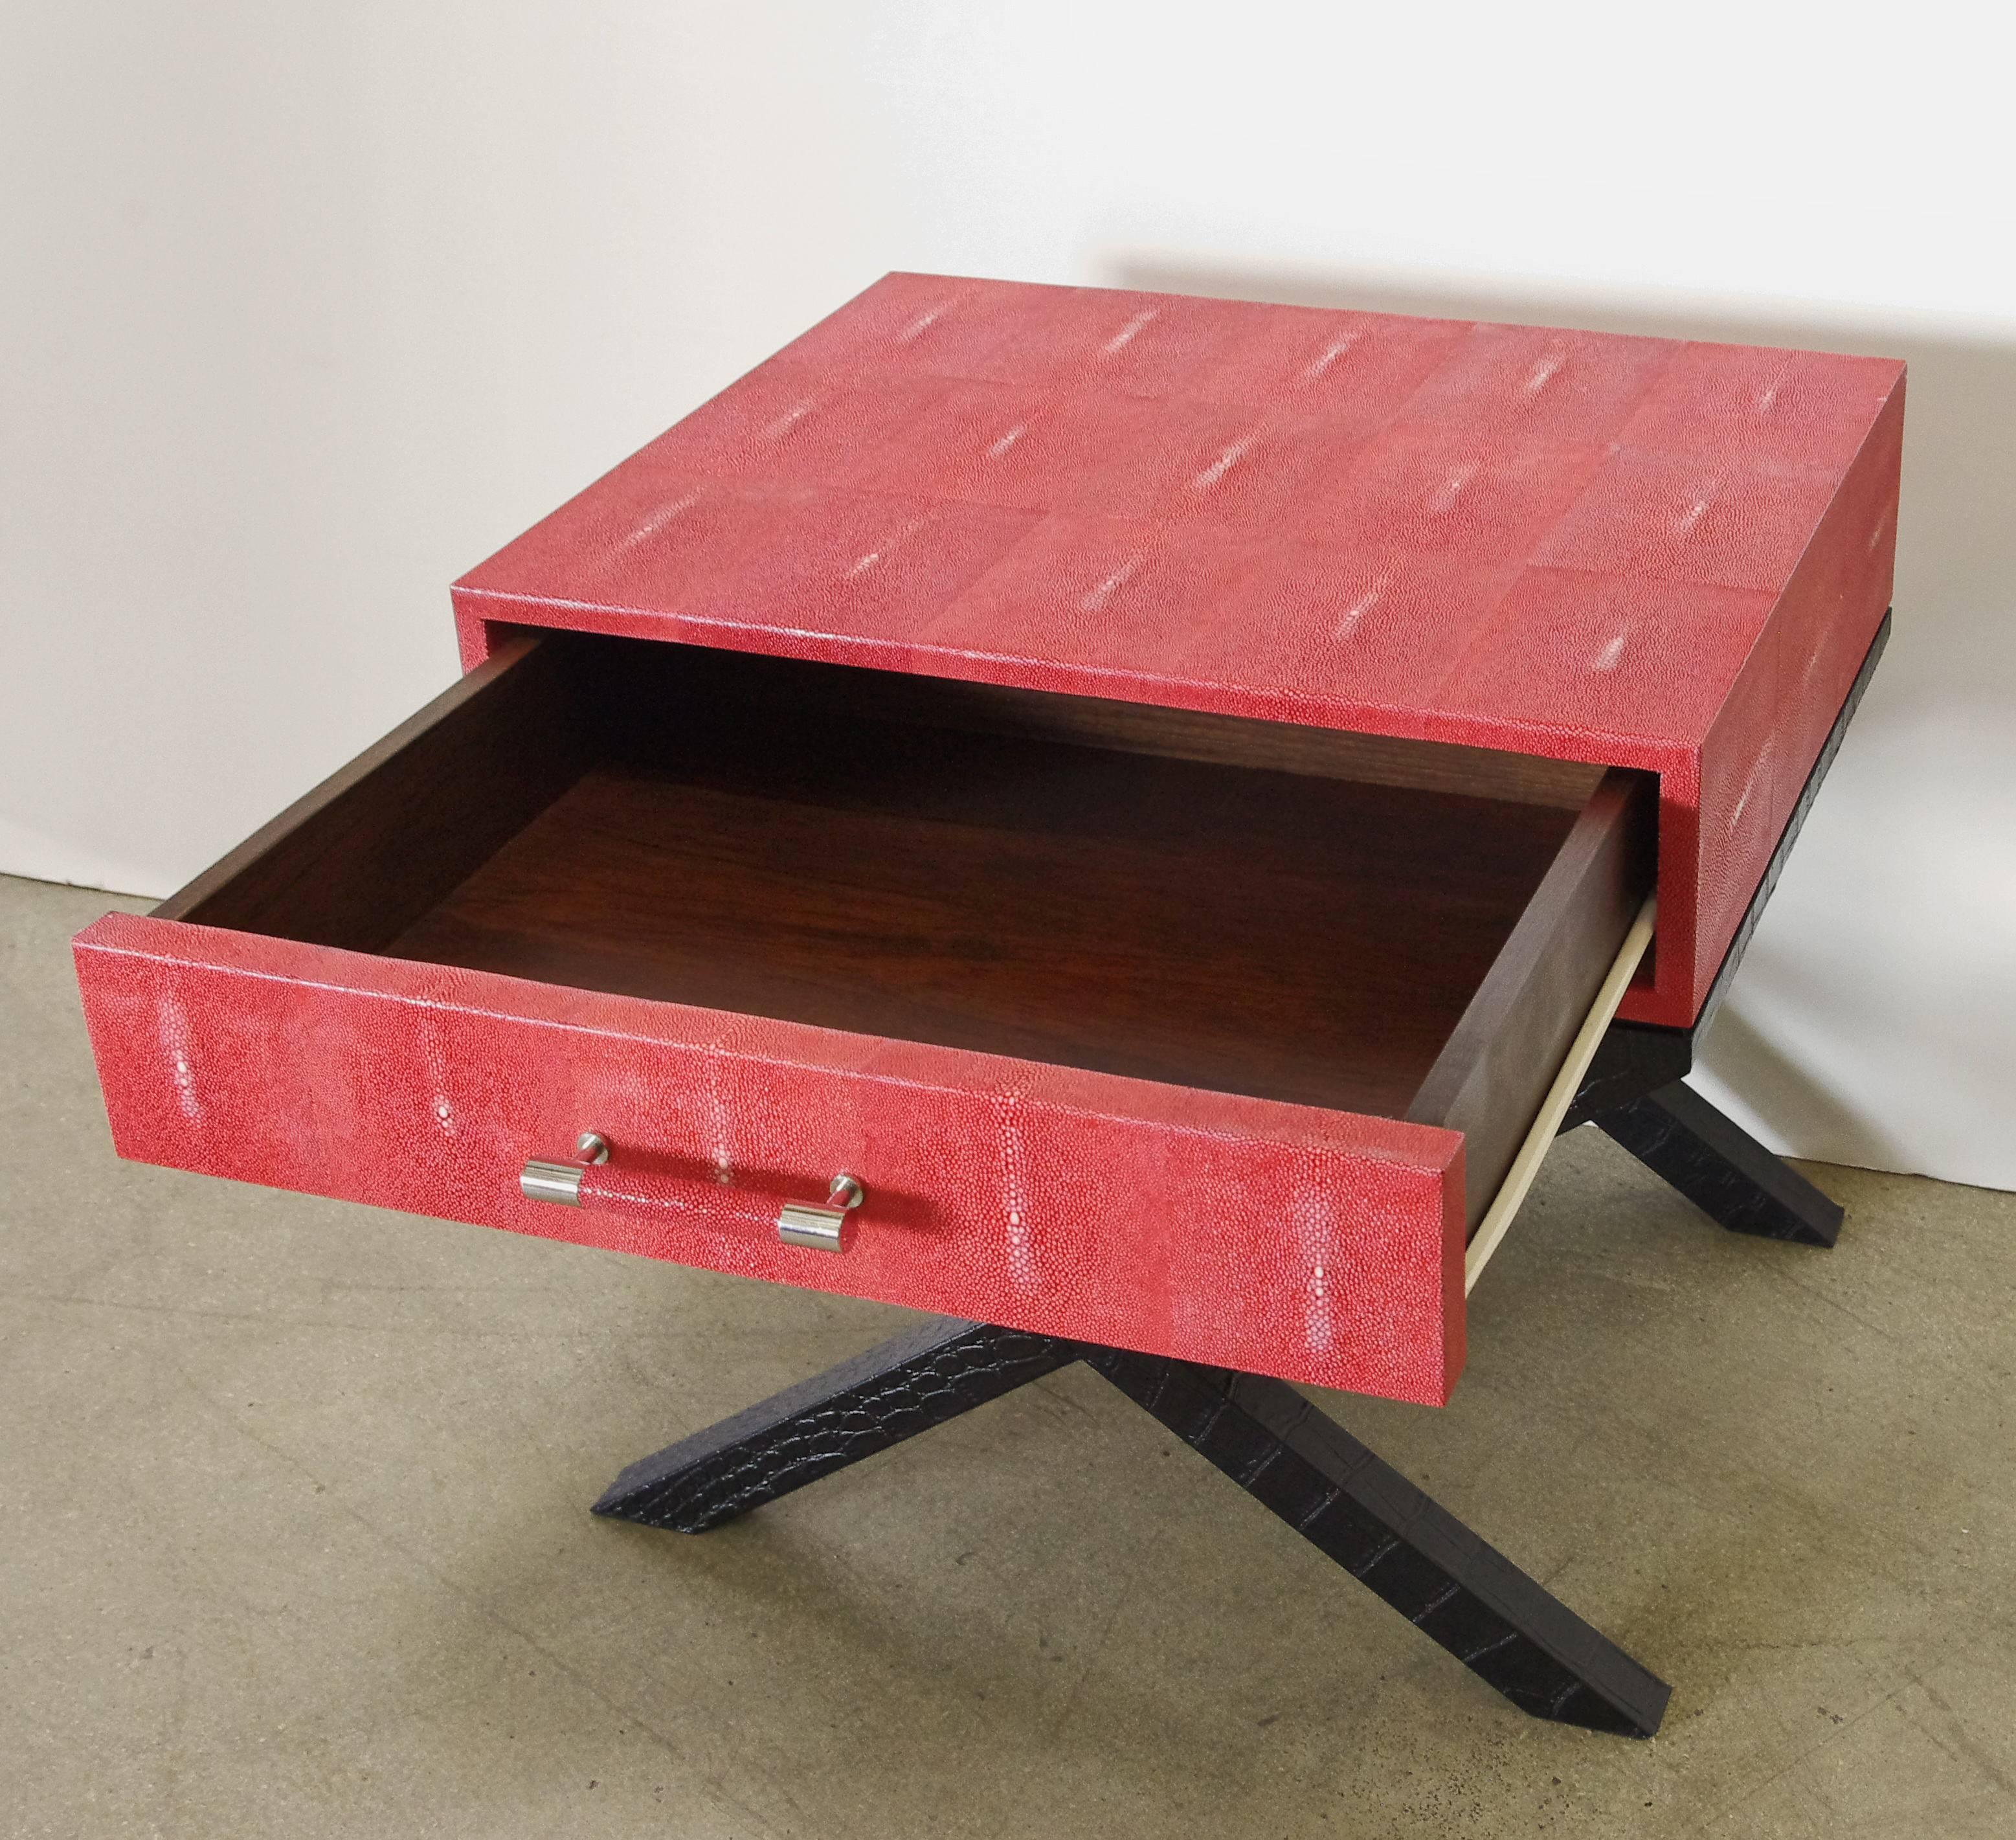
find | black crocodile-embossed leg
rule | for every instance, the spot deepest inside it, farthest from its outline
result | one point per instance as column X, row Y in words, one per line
column 904, row 1386
column 1720, row 1167
column 1391, row 1537
column 1262, row 1433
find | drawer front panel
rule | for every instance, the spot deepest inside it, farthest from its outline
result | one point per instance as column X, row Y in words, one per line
column 1320, row 1246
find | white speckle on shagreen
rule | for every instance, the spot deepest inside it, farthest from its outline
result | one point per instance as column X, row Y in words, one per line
column 1127, row 334
column 1110, row 586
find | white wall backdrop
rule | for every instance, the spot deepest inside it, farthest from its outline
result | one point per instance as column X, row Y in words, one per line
column 303, row 310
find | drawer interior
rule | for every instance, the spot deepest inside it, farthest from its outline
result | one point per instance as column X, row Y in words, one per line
column 1395, row 928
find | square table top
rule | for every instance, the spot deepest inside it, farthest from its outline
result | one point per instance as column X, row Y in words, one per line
column 1643, row 552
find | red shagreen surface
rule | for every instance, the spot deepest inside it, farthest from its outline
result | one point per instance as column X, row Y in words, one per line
column 1279, row 1239
column 1637, row 551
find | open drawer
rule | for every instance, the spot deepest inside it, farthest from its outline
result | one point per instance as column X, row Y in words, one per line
column 1185, row 1033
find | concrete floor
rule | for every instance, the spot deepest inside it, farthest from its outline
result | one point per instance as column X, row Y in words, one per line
column 294, row 1534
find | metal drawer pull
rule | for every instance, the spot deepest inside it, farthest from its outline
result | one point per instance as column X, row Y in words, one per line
column 823, row 1228
column 561, row 1181
column 800, row 1223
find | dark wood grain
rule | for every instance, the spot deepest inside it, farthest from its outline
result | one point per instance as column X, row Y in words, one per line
column 1234, row 929
column 792, row 688
column 376, row 844
column 1491, row 1077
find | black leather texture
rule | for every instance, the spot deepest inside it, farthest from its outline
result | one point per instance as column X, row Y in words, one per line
column 1304, row 1467
column 902, row 1386
column 1720, row 1167
column 1263, row 1434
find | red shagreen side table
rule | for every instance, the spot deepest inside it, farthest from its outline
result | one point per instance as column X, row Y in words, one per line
column 1127, row 821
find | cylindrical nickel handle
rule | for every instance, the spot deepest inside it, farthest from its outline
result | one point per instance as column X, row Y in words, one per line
column 592, row 1181
column 561, row 1181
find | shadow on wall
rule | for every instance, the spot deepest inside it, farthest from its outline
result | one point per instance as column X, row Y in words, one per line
column 1873, row 1021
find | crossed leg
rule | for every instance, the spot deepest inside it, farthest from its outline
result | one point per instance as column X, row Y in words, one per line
column 1262, row 1433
